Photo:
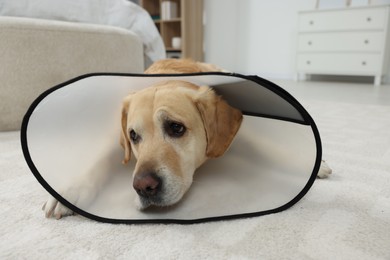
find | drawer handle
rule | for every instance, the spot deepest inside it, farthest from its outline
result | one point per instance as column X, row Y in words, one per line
column 368, row 19
column 366, row 41
column 311, row 22
column 364, row 63
column 308, row 62
column 309, row 43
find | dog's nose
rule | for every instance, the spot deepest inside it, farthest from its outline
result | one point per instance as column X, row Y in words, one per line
column 147, row 184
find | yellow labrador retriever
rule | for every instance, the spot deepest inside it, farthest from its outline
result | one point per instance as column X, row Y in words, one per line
column 171, row 129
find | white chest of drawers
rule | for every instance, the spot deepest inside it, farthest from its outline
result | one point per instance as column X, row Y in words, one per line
column 349, row 41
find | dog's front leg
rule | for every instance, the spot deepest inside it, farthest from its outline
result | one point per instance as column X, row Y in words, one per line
column 80, row 195
column 83, row 189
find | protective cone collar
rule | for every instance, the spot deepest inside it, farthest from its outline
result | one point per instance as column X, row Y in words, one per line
column 270, row 166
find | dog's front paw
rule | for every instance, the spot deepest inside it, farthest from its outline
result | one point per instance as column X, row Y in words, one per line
column 80, row 196
column 53, row 208
column 324, row 171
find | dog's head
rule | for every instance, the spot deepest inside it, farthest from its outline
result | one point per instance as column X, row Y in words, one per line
column 171, row 129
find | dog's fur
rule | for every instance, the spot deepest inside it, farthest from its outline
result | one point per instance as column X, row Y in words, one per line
column 171, row 129
column 210, row 125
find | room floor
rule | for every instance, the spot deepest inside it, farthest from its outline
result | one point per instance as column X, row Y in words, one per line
column 346, row 216
column 358, row 93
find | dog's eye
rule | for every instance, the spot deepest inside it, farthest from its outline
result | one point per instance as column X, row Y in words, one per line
column 174, row 129
column 134, row 136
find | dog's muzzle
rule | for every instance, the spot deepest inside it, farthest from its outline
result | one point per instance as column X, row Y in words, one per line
column 148, row 186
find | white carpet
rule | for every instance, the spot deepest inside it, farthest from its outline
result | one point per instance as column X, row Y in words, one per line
column 344, row 217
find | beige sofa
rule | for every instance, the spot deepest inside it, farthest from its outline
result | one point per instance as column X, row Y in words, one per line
column 38, row 54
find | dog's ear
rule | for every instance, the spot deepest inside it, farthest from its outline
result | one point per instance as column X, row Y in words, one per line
column 124, row 139
column 220, row 120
